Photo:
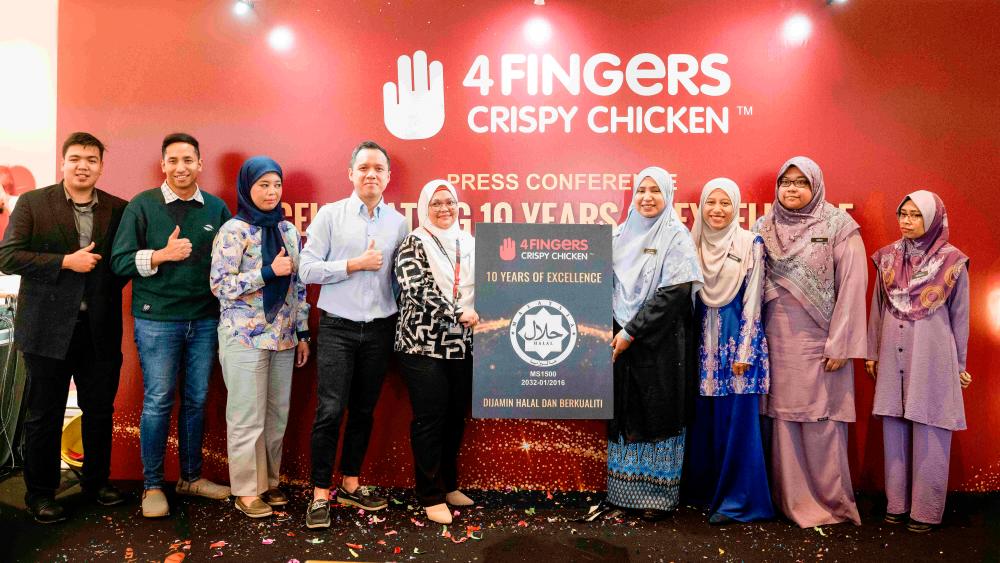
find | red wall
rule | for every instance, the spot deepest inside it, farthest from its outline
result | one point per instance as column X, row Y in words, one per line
column 887, row 96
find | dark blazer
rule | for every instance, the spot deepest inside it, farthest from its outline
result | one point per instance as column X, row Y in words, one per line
column 41, row 231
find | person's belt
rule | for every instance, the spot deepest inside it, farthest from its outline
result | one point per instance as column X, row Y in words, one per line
column 391, row 319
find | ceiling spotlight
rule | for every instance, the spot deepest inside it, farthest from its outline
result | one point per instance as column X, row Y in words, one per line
column 537, row 31
column 242, row 7
column 796, row 30
column 281, row 38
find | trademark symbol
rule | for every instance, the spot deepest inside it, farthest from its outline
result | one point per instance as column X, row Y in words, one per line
column 744, row 110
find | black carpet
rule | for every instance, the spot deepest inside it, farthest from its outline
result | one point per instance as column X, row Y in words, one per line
column 504, row 526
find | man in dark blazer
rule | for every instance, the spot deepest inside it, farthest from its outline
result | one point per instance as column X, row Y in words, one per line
column 68, row 321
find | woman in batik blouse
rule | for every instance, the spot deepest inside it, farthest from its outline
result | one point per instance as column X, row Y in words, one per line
column 263, row 332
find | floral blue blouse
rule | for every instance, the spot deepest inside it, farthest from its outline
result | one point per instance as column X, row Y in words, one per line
column 237, row 281
column 734, row 333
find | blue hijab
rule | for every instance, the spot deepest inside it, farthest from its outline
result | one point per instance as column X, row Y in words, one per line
column 275, row 287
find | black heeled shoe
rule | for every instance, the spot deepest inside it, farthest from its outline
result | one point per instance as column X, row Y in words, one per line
column 654, row 515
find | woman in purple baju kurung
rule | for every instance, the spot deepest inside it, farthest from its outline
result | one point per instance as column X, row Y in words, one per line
column 814, row 318
column 917, row 342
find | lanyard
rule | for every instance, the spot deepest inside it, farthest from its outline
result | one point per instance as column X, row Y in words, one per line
column 458, row 264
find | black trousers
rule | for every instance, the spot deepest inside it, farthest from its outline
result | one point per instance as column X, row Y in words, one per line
column 352, row 359
column 45, row 397
column 440, row 395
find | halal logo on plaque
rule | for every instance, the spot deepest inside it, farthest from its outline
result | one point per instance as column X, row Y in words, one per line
column 543, row 333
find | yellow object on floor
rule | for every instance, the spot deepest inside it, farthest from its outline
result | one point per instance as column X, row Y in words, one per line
column 71, row 450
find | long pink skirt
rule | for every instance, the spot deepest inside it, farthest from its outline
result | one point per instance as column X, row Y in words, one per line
column 810, row 477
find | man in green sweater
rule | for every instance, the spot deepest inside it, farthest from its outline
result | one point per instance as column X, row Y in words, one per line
column 164, row 244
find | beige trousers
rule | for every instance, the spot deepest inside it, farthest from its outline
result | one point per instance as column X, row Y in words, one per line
column 259, row 384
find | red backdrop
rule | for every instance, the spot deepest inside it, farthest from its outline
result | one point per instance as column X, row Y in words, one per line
column 887, row 96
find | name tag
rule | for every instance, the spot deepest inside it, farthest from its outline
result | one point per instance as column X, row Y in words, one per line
column 820, row 239
column 649, row 251
column 919, row 275
column 734, row 257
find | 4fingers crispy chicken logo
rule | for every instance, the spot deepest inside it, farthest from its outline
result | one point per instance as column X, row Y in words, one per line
column 413, row 107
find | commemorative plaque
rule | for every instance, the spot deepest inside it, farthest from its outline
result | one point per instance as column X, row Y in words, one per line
column 542, row 347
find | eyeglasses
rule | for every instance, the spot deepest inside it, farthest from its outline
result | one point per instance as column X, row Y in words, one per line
column 441, row 204
column 799, row 182
column 911, row 216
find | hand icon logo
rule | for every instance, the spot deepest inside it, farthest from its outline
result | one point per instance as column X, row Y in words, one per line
column 414, row 109
column 507, row 250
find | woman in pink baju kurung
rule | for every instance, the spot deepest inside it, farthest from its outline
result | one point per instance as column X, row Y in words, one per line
column 814, row 318
column 918, row 337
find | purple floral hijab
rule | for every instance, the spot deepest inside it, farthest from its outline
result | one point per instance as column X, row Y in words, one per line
column 800, row 244
column 918, row 275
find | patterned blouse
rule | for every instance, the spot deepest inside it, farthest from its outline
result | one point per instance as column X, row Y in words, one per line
column 424, row 312
column 237, row 281
column 734, row 333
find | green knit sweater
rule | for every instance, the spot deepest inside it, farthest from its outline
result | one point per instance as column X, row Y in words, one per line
column 178, row 291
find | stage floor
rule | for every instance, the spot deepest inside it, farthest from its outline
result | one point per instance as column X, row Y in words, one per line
column 505, row 526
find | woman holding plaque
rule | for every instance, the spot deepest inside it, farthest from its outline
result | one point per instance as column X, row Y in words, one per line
column 814, row 318
column 654, row 349
column 725, row 459
column 918, row 336
column 434, row 338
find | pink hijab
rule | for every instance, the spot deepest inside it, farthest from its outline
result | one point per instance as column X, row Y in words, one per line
column 800, row 245
column 916, row 276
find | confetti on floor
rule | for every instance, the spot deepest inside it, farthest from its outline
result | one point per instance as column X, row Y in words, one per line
column 502, row 526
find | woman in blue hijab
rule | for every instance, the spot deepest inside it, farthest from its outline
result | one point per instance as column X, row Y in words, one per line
column 654, row 349
column 263, row 331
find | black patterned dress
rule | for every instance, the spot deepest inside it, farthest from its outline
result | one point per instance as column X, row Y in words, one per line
column 424, row 311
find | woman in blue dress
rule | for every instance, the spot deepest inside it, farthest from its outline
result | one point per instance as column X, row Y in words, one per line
column 725, row 466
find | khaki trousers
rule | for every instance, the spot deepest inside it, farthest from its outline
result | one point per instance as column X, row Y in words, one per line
column 259, row 384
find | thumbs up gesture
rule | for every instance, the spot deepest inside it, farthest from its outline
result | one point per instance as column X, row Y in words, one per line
column 282, row 264
column 177, row 248
column 83, row 260
column 370, row 259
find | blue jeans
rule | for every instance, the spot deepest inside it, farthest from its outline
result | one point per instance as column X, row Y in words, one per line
column 168, row 349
